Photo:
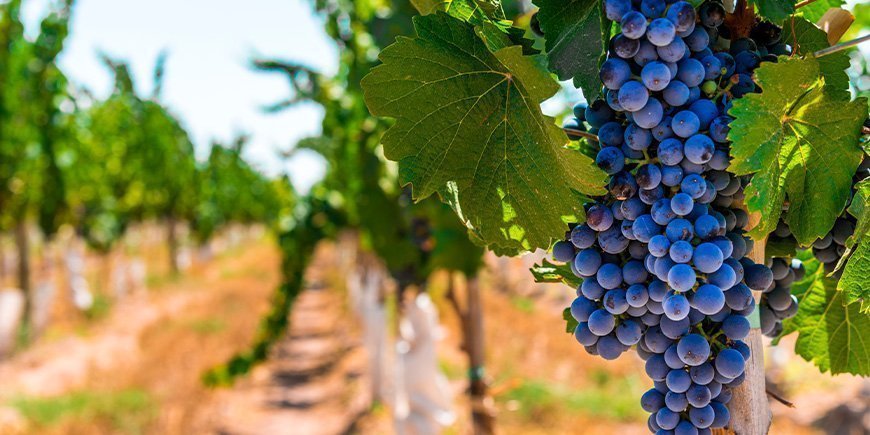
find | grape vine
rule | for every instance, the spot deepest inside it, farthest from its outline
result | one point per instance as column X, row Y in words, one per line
column 714, row 124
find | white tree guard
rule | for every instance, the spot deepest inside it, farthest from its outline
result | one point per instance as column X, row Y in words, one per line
column 43, row 296
column 74, row 261
column 119, row 279
column 423, row 398
column 11, row 310
column 138, row 273
column 373, row 314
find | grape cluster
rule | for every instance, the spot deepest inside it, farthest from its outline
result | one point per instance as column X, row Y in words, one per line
column 663, row 255
column 829, row 249
column 777, row 303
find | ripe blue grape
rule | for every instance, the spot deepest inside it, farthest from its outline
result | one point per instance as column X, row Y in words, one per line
column 650, row 115
column 633, row 25
column 661, row 32
column 699, row 148
column 584, row 336
column 582, row 236
column 563, row 251
column 587, row 262
column 685, row 124
column 614, row 73
column 672, row 52
column 601, row 322
column 709, row 299
column 637, row 138
column 691, row 72
column 708, row 257
column 676, row 306
column 682, row 14
column 681, row 251
column 609, row 276
column 610, row 160
column 730, row 363
column 655, row 76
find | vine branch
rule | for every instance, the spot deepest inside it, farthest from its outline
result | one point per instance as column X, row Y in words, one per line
column 803, row 3
column 581, row 133
column 842, row 46
column 779, row 398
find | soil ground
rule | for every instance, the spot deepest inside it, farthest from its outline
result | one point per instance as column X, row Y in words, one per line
column 138, row 370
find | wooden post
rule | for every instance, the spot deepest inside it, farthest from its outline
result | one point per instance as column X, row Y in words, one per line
column 471, row 320
column 22, row 242
column 480, row 407
column 172, row 240
column 749, row 406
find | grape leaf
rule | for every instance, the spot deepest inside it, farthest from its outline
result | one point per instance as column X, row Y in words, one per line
column 854, row 282
column 465, row 10
column 552, row 272
column 468, row 122
column 816, row 9
column 807, row 38
column 800, row 140
column 577, row 36
column 570, row 322
column 775, row 10
column 831, row 334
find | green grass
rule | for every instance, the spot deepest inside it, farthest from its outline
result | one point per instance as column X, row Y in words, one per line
column 207, row 326
column 126, row 411
column 524, row 304
column 609, row 397
column 100, row 308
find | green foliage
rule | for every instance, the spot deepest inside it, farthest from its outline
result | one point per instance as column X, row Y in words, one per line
column 33, row 87
column 552, row 272
column 478, row 133
column 315, row 218
column 807, row 38
column 831, row 334
column 816, row 9
column 854, row 282
column 577, row 36
column 570, row 322
column 800, row 140
column 607, row 397
column 774, row 10
column 127, row 411
column 231, row 191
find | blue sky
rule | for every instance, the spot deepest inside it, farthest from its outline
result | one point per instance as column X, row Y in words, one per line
column 208, row 82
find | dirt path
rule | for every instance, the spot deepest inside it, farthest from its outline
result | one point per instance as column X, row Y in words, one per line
column 314, row 384
column 155, row 347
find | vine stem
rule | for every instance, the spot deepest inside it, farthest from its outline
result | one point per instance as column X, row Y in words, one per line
column 580, row 133
column 803, row 3
column 842, row 46
column 779, row 398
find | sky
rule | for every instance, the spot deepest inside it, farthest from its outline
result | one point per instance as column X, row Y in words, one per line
column 208, row 83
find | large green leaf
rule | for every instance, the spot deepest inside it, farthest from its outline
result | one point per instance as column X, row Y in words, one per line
column 816, row 9
column 807, row 38
column 855, row 282
column 800, row 140
column 774, row 10
column 577, row 37
column 468, row 121
column 831, row 334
